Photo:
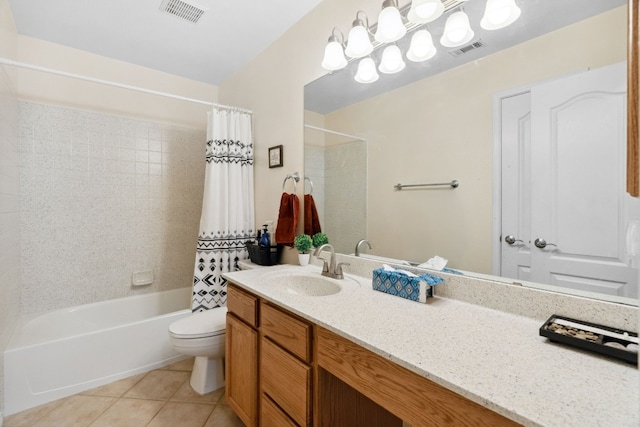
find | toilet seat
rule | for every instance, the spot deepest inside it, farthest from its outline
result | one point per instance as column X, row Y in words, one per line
column 204, row 324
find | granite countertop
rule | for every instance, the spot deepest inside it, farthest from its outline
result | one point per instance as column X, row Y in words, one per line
column 491, row 357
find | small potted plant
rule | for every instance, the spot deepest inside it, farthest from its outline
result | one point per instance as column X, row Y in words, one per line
column 303, row 244
column 319, row 239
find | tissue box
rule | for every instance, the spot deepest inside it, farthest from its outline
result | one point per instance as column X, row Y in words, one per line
column 412, row 288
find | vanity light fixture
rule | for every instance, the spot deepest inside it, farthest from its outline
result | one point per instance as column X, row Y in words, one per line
column 391, row 61
column 457, row 30
column 367, row 72
column 499, row 14
column 359, row 44
column 394, row 23
column 390, row 25
column 334, row 58
column 421, row 47
column 423, row 11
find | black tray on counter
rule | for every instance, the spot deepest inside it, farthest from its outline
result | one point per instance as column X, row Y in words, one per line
column 557, row 328
column 263, row 255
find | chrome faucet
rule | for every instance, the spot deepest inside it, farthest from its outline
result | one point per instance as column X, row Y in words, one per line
column 360, row 243
column 332, row 270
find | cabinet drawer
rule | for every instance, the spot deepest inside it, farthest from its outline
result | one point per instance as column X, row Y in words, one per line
column 243, row 305
column 287, row 381
column 272, row 416
column 291, row 333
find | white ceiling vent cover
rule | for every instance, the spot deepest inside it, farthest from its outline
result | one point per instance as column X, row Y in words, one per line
column 183, row 10
column 468, row 48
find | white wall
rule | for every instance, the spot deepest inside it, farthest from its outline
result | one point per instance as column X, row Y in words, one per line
column 10, row 282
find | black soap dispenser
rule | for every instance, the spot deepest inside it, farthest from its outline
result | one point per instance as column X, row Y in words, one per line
column 265, row 240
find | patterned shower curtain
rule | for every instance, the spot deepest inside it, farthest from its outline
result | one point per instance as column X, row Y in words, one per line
column 227, row 219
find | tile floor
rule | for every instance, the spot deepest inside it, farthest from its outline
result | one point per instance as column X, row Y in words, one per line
column 160, row 398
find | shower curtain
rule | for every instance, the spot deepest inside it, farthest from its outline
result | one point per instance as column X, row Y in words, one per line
column 227, row 219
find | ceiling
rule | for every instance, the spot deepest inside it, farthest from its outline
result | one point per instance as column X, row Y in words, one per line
column 228, row 35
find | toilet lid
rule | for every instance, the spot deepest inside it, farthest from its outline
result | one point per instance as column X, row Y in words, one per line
column 202, row 324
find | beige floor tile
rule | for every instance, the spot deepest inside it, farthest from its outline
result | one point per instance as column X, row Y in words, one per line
column 30, row 416
column 223, row 416
column 117, row 388
column 183, row 365
column 181, row 414
column 158, row 385
column 129, row 413
column 186, row 394
column 76, row 411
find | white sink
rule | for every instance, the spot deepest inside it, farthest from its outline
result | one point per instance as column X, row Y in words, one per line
column 310, row 285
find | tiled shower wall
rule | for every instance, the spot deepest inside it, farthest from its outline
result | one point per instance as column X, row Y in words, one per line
column 10, row 288
column 104, row 197
column 346, row 191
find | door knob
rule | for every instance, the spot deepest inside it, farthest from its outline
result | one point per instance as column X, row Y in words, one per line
column 541, row 243
column 511, row 240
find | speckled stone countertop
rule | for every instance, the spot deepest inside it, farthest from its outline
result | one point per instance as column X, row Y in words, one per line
column 492, row 357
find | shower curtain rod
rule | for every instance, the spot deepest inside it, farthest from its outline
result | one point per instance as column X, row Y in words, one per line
column 10, row 62
column 334, row 132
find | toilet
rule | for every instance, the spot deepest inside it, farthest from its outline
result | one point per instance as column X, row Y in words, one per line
column 202, row 335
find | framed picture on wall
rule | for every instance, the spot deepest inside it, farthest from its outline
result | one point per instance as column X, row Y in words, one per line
column 275, row 156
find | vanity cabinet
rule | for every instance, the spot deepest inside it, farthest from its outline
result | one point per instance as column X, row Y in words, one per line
column 283, row 370
column 241, row 361
column 268, row 363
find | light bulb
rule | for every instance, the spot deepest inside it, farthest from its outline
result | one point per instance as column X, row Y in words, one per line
column 457, row 30
column 366, row 71
column 358, row 44
column 391, row 61
column 421, row 47
column 423, row 11
column 499, row 14
column 333, row 56
column 390, row 26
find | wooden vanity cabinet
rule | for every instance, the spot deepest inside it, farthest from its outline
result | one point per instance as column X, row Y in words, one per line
column 242, row 352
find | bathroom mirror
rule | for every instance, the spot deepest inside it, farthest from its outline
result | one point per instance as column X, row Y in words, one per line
column 434, row 123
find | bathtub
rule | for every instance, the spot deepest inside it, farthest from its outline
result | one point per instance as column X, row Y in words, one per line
column 63, row 352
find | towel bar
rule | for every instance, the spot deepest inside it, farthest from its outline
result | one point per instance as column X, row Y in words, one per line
column 452, row 184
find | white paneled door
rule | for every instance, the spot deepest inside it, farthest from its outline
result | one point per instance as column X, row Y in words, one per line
column 564, row 207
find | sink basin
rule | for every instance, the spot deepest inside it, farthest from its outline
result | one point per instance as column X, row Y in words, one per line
column 306, row 285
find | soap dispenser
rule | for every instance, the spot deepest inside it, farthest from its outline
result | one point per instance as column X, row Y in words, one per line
column 265, row 240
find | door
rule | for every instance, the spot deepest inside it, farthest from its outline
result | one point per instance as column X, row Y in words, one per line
column 242, row 370
column 574, row 163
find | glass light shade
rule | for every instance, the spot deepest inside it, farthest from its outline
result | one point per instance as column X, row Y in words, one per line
column 423, row 11
column 333, row 56
column 457, row 30
column 391, row 61
column 358, row 44
column 421, row 47
column 367, row 72
column 499, row 14
column 390, row 26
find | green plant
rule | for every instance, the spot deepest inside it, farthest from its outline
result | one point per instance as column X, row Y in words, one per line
column 319, row 239
column 303, row 243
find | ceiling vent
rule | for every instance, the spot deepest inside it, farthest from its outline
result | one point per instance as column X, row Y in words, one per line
column 468, row 48
column 183, row 10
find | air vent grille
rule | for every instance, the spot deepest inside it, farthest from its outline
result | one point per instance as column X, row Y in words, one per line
column 464, row 49
column 182, row 10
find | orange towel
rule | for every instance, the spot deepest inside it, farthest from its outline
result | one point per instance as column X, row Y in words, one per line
column 311, row 219
column 287, row 219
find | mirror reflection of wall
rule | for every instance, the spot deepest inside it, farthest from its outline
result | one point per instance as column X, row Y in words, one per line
column 337, row 167
column 440, row 128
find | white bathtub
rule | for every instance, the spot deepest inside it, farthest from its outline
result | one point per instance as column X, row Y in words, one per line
column 59, row 353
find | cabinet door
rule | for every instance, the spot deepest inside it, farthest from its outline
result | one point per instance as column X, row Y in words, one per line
column 242, row 370
column 287, row 381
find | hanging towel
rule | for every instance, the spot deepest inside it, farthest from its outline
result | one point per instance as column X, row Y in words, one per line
column 287, row 219
column 311, row 219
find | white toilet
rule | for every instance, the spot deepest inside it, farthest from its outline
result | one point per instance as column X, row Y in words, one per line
column 202, row 335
